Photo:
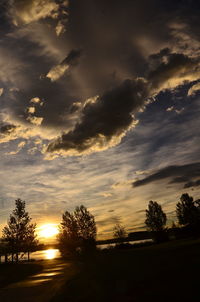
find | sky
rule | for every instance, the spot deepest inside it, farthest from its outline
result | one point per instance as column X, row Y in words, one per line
column 99, row 105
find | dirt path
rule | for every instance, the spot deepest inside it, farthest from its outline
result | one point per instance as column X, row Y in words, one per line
column 39, row 287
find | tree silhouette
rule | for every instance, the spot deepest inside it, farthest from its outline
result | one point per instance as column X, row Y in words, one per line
column 156, row 220
column 77, row 231
column 119, row 232
column 19, row 234
column 155, row 217
column 188, row 211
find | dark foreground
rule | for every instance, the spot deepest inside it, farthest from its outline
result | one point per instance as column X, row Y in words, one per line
column 165, row 272
column 35, row 282
column 11, row 273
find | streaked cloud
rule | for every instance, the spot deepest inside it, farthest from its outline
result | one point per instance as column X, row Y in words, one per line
column 174, row 174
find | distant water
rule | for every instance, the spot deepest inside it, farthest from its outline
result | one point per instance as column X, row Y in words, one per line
column 39, row 255
column 46, row 254
column 55, row 253
column 134, row 242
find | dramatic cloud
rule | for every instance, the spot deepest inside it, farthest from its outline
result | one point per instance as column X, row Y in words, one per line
column 78, row 76
column 104, row 120
column 175, row 174
column 172, row 69
column 122, row 66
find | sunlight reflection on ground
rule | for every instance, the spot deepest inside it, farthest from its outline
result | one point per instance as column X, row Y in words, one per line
column 47, row 275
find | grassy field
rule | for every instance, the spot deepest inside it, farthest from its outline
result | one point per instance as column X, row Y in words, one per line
column 164, row 272
column 14, row 272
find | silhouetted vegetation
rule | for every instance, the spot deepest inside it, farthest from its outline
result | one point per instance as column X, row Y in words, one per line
column 77, row 232
column 19, row 234
column 188, row 213
column 124, row 272
column 155, row 217
column 156, row 221
column 78, row 229
column 164, row 272
column 17, row 272
column 119, row 233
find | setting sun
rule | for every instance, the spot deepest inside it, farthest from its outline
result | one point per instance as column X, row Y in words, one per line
column 48, row 230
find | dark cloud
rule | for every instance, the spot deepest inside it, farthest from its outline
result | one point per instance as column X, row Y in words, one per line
column 105, row 118
column 169, row 65
column 129, row 55
column 110, row 116
column 192, row 184
column 177, row 174
column 55, row 97
column 7, row 129
column 72, row 57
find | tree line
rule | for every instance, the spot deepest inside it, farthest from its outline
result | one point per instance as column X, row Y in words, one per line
column 77, row 233
column 77, row 230
column 187, row 213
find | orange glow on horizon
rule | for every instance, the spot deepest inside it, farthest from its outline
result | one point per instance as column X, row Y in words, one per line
column 48, row 230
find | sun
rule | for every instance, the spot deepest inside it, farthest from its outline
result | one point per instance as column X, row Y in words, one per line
column 48, row 230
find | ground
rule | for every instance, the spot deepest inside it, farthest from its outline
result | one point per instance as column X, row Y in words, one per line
column 163, row 272
column 39, row 286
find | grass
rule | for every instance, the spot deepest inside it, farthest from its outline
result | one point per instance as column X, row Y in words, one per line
column 14, row 272
column 164, row 272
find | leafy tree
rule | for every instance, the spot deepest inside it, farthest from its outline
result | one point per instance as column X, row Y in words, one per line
column 19, row 234
column 188, row 211
column 119, row 232
column 155, row 217
column 77, row 231
column 86, row 223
